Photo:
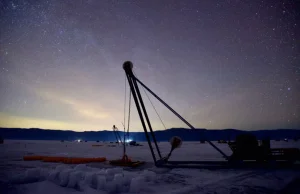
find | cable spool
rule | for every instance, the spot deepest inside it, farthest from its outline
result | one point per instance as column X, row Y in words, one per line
column 175, row 142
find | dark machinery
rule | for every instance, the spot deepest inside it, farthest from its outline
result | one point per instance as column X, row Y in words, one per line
column 247, row 147
column 247, row 153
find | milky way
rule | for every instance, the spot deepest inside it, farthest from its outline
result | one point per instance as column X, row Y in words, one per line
column 220, row 64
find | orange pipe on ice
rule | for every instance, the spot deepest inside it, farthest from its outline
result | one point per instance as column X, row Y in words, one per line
column 65, row 160
column 53, row 159
column 83, row 160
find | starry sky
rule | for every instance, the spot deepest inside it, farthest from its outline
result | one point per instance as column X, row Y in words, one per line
column 220, row 64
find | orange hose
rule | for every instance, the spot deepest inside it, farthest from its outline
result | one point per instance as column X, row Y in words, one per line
column 53, row 159
column 83, row 160
column 65, row 160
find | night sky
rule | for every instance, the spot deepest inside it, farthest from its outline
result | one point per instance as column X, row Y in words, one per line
column 220, row 64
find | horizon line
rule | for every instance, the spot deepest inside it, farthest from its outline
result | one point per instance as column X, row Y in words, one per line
column 143, row 131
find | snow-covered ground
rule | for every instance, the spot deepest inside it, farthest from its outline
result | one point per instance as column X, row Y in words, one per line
column 32, row 177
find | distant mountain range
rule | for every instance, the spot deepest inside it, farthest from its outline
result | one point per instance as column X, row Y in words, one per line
column 164, row 135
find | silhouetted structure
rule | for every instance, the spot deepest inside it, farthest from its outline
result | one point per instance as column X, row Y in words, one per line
column 245, row 148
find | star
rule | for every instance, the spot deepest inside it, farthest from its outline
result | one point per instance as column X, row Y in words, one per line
column 210, row 61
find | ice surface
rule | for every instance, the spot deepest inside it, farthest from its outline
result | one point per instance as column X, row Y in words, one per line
column 112, row 171
column 137, row 184
column 185, row 190
column 101, row 182
column 81, row 167
column 32, row 177
column 64, row 177
column 91, row 179
column 149, row 175
column 74, row 179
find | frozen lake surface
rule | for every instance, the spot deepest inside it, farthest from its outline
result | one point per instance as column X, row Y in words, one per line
column 32, row 177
